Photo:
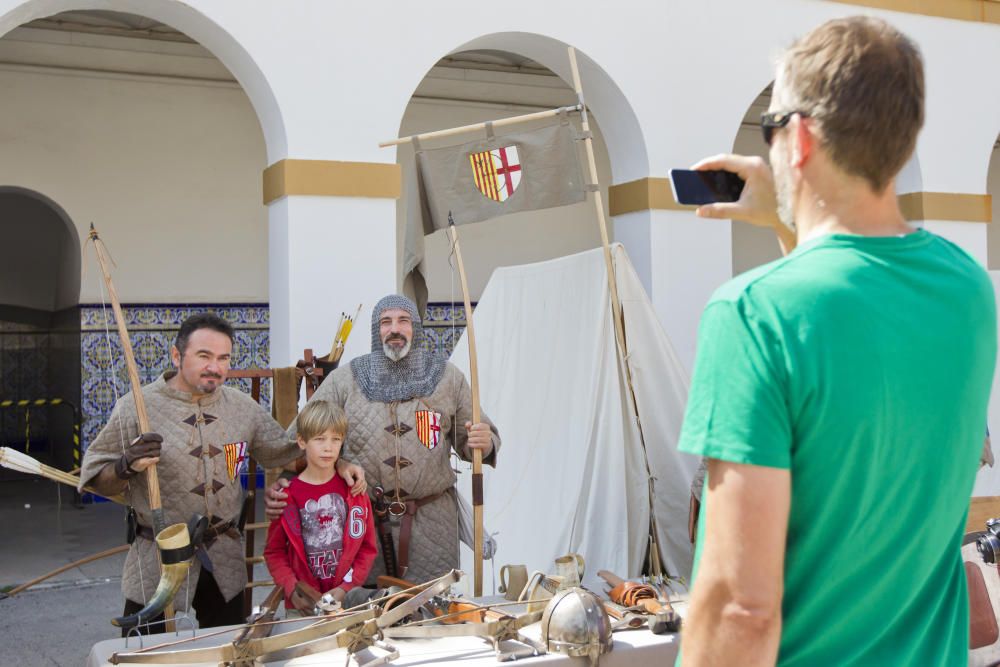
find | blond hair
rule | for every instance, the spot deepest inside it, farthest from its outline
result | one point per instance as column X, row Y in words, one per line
column 862, row 81
column 318, row 417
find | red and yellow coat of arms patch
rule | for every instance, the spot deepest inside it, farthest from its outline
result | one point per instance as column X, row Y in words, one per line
column 428, row 428
column 236, row 453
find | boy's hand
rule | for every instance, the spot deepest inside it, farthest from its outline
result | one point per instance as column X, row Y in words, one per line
column 354, row 475
column 305, row 597
column 276, row 499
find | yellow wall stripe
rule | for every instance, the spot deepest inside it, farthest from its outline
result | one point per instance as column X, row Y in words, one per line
column 653, row 193
column 643, row 195
column 984, row 11
column 328, row 178
column 953, row 206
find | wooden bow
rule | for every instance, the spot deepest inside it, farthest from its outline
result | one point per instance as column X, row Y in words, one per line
column 152, row 479
column 477, row 454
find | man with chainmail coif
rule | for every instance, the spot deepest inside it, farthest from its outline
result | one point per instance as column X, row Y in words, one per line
column 407, row 408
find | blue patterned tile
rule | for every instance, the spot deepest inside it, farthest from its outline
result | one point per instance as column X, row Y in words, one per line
column 153, row 328
column 443, row 325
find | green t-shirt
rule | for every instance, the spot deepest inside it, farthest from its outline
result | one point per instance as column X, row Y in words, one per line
column 863, row 365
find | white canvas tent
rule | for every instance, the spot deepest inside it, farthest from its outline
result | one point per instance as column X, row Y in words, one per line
column 571, row 475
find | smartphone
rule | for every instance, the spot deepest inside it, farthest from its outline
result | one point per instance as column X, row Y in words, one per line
column 705, row 187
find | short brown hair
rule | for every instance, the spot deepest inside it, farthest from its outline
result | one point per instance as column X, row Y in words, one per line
column 318, row 417
column 862, row 81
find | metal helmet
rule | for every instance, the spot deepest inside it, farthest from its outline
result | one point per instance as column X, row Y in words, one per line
column 576, row 623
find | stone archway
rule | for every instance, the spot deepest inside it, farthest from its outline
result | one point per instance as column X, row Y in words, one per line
column 191, row 22
column 165, row 158
column 993, row 188
column 497, row 76
column 39, row 325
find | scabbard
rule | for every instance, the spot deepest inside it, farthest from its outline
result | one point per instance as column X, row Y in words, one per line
column 381, row 508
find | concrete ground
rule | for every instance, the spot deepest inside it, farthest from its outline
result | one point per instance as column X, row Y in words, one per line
column 56, row 622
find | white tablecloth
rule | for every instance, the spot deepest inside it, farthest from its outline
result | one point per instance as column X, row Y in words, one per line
column 631, row 647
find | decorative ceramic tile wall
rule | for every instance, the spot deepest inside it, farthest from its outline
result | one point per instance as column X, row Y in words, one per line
column 444, row 323
column 153, row 328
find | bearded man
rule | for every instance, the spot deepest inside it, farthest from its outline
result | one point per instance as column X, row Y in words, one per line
column 202, row 433
column 407, row 409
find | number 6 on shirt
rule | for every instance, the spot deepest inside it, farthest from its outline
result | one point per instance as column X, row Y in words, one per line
column 356, row 522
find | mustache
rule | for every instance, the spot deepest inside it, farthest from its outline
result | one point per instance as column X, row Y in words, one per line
column 211, row 375
column 400, row 337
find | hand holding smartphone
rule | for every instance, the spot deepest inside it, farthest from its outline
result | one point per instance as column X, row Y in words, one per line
column 705, row 187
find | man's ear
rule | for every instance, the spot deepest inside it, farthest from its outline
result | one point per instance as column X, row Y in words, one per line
column 175, row 356
column 803, row 144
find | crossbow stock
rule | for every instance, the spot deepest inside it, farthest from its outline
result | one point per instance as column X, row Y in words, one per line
column 368, row 626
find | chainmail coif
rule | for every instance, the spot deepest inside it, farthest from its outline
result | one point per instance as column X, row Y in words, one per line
column 417, row 374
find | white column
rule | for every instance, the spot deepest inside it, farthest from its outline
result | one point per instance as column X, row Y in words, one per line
column 681, row 260
column 970, row 236
column 327, row 255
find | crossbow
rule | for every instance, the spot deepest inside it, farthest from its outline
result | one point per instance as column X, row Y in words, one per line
column 426, row 610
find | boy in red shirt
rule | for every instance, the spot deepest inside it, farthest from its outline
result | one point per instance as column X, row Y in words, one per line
column 325, row 538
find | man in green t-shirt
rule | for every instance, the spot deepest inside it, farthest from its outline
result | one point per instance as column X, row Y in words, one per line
column 840, row 392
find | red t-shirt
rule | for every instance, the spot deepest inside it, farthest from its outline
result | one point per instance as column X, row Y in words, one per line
column 323, row 513
column 325, row 537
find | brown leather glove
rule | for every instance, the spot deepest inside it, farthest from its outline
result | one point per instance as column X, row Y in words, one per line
column 145, row 446
column 305, row 597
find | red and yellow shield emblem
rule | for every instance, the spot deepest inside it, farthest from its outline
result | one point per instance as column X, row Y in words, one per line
column 236, row 454
column 497, row 173
column 428, row 428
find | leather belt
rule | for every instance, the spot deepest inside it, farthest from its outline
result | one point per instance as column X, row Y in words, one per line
column 227, row 528
column 405, row 527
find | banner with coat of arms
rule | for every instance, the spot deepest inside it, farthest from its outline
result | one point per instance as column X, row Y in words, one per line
column 487, row 178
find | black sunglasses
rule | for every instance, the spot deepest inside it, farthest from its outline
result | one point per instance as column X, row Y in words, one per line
column 772, row 120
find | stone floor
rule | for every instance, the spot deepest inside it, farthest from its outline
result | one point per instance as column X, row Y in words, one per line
column 56, row 622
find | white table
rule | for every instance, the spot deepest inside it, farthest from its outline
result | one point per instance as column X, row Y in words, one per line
column 631, row 647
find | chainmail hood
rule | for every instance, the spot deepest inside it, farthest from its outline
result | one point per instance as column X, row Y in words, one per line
column 417, row 374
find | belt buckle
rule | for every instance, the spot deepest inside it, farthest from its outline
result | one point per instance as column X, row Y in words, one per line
column 397, row 508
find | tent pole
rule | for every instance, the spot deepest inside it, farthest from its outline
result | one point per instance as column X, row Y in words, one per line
column 477, row 454
column 655, row 563
column 513, row 120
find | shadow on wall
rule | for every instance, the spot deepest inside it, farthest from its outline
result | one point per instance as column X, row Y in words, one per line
column 39, row 326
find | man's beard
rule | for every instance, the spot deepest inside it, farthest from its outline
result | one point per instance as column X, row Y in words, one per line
column 395, row 353
column 206, row 388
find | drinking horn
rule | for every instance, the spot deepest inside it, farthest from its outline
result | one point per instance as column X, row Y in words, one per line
column 176, row 544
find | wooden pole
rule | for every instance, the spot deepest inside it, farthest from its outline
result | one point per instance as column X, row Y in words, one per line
column 616, row 308
column 477, row 454
column 513, row 120
column 83, row 561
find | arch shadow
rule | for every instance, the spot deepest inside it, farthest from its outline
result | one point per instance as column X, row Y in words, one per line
column 68, row 285
column 606, row 101
column 195, row 25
